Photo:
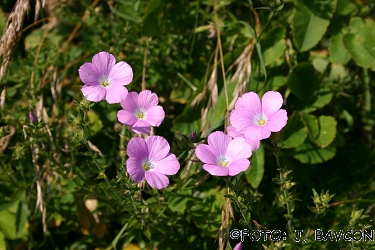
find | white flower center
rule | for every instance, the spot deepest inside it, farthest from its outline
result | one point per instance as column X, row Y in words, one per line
column 105, row 82
column 222, row 161
column 140, row 114
column 260, row 120
column 147, row 165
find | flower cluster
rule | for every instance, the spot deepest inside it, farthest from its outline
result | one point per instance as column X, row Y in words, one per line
column 252, row 121
column 148, row 159
column 226, row 154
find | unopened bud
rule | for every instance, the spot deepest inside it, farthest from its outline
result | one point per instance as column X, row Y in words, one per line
column 33, row 118
column 193, row 136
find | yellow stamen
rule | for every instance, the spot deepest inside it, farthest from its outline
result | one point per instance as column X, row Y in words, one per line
column 223, row 162
column 140, row 114
column 147, row 165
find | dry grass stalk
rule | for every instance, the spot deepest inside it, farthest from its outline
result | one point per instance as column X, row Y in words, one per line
column 226, row 214
column 4, row 141
column 242, row 73
column 13, row 28
column 243, row 66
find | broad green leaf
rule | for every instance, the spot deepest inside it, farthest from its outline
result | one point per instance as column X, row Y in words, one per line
column 360, row 42
column 320, row 63
column 310, row 21
column 273, row 45
column 294, row 133
column 309, row 153
column 2, row 242
column 254, row 174
column 311, row 124
column 323, row 98
column 327, row 131
column 303, row 80
column 337, row 51
column 345, row 7
column 13, row 218
column 21, row 218
column 322, row 131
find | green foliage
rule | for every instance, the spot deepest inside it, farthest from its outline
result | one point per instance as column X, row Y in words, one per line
column 310, row 21
column 63, row 180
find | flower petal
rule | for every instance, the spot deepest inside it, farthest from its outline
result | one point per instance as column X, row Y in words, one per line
column 238, row 166
column 137, row 148
column 89, row 74
column 121, row 74
column 156, row 180
column 158, row 148
column 253, row 144
column 205, row 154
column 238, row 149
column 271, row 102
column 134, row 168
column 147, row 99
column 277, row 121
column 241, row 119
column 93, row 93
column 126, row 117
column 256, row 133
column 216, row 170
column 140, row 130
column 238, row 246
column 233, row 133
column 104, row 62
column 250, row 101
column 155, row 115
column 130, row 103
column 218, row 143
column 116, row 93
column 169, row 165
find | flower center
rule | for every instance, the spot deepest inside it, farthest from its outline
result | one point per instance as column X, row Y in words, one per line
column 147, row 165
column 140, row 114
column 105, row 81
column 260, row 120
column 223, row 162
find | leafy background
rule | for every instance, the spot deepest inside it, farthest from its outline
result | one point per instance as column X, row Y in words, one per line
column 318, row 53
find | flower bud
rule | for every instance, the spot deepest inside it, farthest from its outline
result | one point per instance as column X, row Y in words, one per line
column 33, row 118
column 193, row 136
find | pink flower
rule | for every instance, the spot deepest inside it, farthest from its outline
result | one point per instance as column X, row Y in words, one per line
column 104, row 79
column 233, row 133
column 224, row 156
column 256, row 119
column 140, row 112
column 238, row 246
column 151, row 159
